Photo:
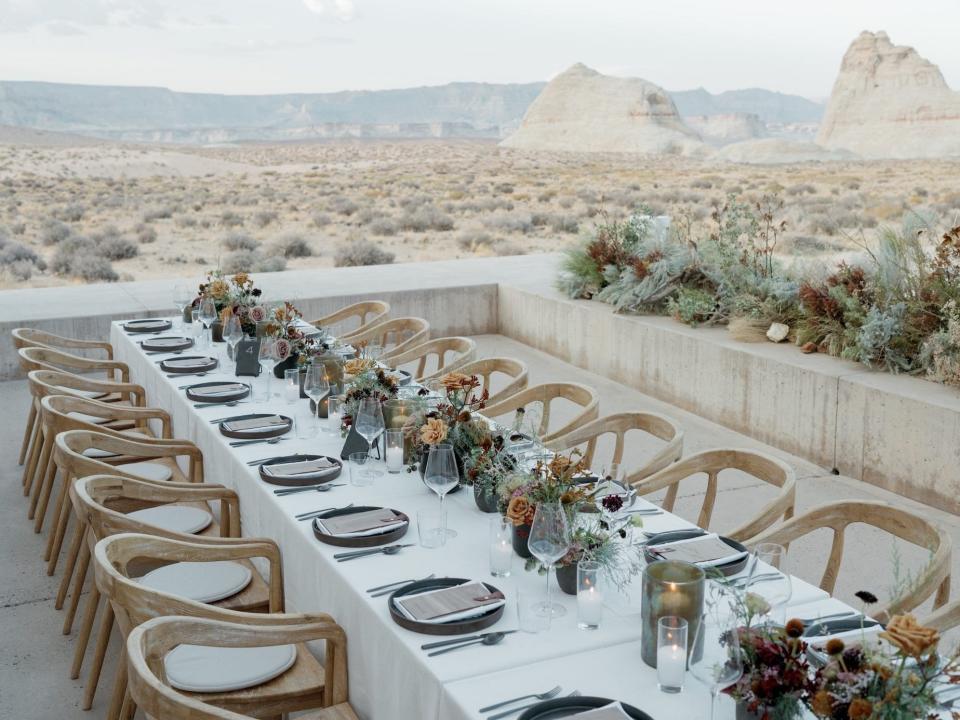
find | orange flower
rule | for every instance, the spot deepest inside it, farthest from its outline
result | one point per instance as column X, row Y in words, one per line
column 454, row 381
column 434, row 431
column 794, row 628
column 909, row 636
column 821, row 704
column 859, row 709
column 357, row 366
column 518, row 509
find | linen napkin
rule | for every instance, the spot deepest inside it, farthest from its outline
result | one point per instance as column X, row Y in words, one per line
column 303, row 467
column 165, row 342
column 260, row 423
column 613, row 711
column 449, row 604
column 217, row 390
column 187, row 362
column 707, row 550
column 360, row 524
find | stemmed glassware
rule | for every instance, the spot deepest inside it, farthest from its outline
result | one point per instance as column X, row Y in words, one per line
column 207, row 315
column 181, row 298
column 373, row 351
column 549, row 541
column 316, row 386
column 233, row 334
column 770, row 579
column 369, row 424
column 441, row 475
column 715, row 657
column 268, row 360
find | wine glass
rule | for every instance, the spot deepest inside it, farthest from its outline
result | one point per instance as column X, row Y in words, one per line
column 369, row 424
column 373, row 351
column 549, row 541
column 441, row 475
column 770, row 579
column 715, row 658
column 316, row 386
column 181, row 298
column 268, row 360
column 233, row 334
column 207, row 315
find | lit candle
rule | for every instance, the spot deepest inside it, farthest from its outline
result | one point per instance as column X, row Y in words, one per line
column 589, row 608
column 293, row 392
column 394, row 459
column 501, row 557
column 671, row 666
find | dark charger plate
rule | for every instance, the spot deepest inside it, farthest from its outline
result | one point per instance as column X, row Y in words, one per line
column 226, row 397
column 317, row 478
column 147, row 325
column 365, row 541
column 403, row 377
column 458, row 627
column 157, row 344
column 731, row 568
column 208, row 364
column 570, row 706
column 260, row 434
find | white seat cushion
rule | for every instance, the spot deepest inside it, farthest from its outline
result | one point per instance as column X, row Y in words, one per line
column 93, row 419
column 176, row 518
column 148, row 470
column 204, row 582
column 200, row 668
column 98, row 453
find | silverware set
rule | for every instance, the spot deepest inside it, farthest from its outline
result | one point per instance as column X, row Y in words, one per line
column 492, row 638
column 325, row 487
column 199, row 374
column 388, row 550
column 762, row 577
column 381, row 590
column 228, row 403
column 268, row 441
column 536, row 697
column 314, row 513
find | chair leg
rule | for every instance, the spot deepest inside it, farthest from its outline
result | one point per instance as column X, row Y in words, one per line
column 119, row 687
column 27, row 432
column 58, row 514
column 129, row 707
column 86, row 627
column 31, row 465
column 72, row 554
column 99, row 653
column 80, row 576
column 48, row 481
column 36, row 484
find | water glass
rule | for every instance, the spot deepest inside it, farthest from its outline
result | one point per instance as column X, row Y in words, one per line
column 769, row 558
column 528, row 619
column 334, row 414
column 589, row 595
column 501, row 546
column 671, row 653
column 291, row 385
column 431, row 527
column 394, row 442
column 358, row 476
column 306, row 424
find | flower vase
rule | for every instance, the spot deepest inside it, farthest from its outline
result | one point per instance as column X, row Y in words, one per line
column 567, row 578
column 485, row 498
column 216, row 331
column 521, row 534
column 289, row 364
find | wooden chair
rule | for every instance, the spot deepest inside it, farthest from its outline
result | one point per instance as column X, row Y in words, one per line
column 149, row 643
column 515, row 371
column 404, row 333
column 302, row 687
column 31, row 337
column 101, row 503
column 619, row 425
column 935, row 577
column 582, row 395
column 463, row 350
column 712, row 462
column 945, row 618
column 368, row 313
column 44, row 358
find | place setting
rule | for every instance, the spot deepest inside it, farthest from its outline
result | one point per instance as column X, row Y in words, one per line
column 146, row 326
column 254, row 427
column 359, row 526
column 189, row 365
column 210, row 394
column 300, row 471
column 166, row 345
column 447, row 606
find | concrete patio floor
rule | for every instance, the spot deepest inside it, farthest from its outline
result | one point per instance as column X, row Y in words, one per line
column 34, row 666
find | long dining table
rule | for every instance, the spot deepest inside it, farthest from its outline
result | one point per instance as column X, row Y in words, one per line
column 391, row 678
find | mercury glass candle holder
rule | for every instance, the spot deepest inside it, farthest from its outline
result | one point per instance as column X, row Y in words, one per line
column 670, row 589
column 396, row 413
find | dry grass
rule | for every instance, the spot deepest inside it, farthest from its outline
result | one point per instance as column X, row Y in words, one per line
column 154, row 212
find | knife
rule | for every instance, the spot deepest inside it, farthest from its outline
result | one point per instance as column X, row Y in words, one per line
column 444, row 643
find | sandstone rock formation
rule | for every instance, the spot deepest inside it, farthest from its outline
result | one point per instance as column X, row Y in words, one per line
column 582, row 110
column 888, row 102
column 772, row 151
column 728, row 128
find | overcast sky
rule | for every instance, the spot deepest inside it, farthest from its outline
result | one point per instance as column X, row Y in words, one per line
column 269, row 46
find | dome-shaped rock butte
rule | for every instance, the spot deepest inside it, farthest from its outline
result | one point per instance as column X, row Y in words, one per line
column 888, row 102
column 581, row 110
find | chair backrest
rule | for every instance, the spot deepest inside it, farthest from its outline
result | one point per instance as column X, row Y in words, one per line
column 32, row 337
column 44, row 358
column 660, row 426
column 57, row 382
column 55, row 414
column 712, row 462
column 584, row 396
column 463, row 350
column 69, row 448
column 368, row 313
column 947, row 617
column 515, row 370
column 399, row 334
column 149, row 644
column 934, row 577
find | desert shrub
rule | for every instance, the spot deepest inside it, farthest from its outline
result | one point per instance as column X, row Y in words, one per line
column 801, row 189
column 320, row 219
column 361, row 252
column 229, row 218
column 158, row 212
column 185, row 221
column 79, row 256
column 472, row 239
column 292, row 245
column 701, row 184
column 94, row 268
column 240, row 241
column 54, row 232
column 426, row 218
column 503, row 248
column 19, row 260
column 384, row 226
column 264, row 217
column 70, row 213
column 245, row 260
column 509, row 223
column 18, row 228
column 145, row 233
column 344, row 206
column 564, row 224
column 113, row 246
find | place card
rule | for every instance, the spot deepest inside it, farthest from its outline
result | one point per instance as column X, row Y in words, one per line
column 368, row 522
column 447, row 604
column 705, row 550
column 303, row 467
column 260, row 423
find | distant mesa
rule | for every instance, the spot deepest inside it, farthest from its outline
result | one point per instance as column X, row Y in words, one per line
column 888, row 102
column 581, row 110
column 771, row 151
column 726, row 129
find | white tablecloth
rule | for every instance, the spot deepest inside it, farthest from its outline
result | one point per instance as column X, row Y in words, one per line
column 390, row 677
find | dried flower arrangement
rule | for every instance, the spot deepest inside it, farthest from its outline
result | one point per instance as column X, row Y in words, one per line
column 453, row 419
column 369, row 381
column 553, row 481
column 233, row 296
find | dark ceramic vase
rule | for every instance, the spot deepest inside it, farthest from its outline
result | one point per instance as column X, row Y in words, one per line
column 521, row 535
column 567, row 578
column 216, row 331
column 744, row 713
column 289, row 364
column 486, row 500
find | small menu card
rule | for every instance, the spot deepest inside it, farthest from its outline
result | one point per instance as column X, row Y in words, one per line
column 368, row 522
column 704, row 550
column 216, row 390
column 188, row 362
column 447, row 604
column 166, row 342
column 261, row 423
column 303, row 467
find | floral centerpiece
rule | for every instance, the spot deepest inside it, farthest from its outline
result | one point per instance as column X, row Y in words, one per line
column 368, row 381
column 235, row 296
column 293, row 347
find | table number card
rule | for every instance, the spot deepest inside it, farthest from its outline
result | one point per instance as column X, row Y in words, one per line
column 248, row 357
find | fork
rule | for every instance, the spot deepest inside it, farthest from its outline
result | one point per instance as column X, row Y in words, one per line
column 538, row 696
column 313, row 513
column 387, row 589
column 508, row 713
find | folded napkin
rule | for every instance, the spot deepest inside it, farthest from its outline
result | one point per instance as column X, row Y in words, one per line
column 706, row 550
column 613, row 711
column 449, row 604
column 165, row 342
column 217, row 390
column 361, row 524
column 187, row 362
column 261, row 423
column 303, row 467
